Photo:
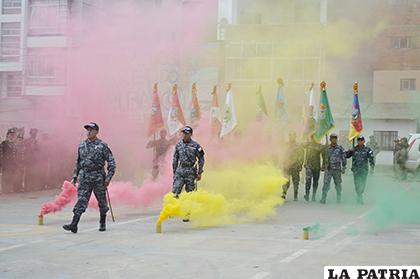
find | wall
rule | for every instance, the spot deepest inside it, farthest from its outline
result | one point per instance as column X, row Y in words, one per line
column 387, row 87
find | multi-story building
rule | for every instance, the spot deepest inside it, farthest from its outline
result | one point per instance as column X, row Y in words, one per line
column 299, row 41
column 33, row 45
column 265, row 40
column 36, row 39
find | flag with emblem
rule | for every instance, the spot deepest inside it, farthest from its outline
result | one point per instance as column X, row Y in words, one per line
column 156, row 119
column 280, row 106
column 215, row 113
column 261, row 101
column 309, row 113
column 325, row 121
column 356, row 126
column 176, row 118
column 229, row 121
column 195, row 105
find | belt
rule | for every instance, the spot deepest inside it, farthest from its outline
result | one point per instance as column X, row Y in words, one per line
column 92, row 170
column 186, row 165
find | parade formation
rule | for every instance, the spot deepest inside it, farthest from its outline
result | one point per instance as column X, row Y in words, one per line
column 209, row 139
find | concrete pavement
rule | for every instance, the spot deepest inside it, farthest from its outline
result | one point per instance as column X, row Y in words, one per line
column 131, row 248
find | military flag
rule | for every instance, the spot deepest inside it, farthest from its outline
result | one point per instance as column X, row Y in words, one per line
column 176, row 118
column 261, row 101
column 229, row 121
column 356, row 125
column 195, row 105
column 325, row 121
column 156, row 119
column 280, row 106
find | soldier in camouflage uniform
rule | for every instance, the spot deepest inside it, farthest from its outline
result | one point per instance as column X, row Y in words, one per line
column 9, row 162
column 361, row 155
column 334, row 165
column 401, row 157
column 313, row 153
column 187, row 154
column 89, row 171
column 292, row 165
column 373, row 144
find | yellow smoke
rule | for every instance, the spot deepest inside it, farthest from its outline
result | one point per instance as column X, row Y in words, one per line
column 234, row 194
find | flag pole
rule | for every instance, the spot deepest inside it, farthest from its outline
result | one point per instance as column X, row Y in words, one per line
column 355, row 91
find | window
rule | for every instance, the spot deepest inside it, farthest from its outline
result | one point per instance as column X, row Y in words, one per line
column 402, row 42
column 386, row 139
column 48, row 17
column 45, row 67
column 10, row 42
column 408, row 84
column 11, row 7
column 13, row 84
column 398, row 2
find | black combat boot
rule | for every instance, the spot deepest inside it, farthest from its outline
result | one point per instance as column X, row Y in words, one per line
column 73, row 225
column 102, row 221
column 295, row 195
column 324, row 198
column 313, row 197
column 306, row 197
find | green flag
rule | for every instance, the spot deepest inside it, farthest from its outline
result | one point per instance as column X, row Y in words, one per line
column 325, row 121
column 261, row 102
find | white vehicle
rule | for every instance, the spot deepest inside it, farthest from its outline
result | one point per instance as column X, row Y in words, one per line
column 413, row 160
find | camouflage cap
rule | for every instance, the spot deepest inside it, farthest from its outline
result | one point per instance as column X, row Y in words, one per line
column 187, row 130
column 92, row 126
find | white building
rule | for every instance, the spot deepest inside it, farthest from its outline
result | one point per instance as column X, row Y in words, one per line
column 33, row 46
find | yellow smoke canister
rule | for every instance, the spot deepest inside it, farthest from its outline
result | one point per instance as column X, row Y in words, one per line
column 306, row 233
column 158, row 227
column 40, row 219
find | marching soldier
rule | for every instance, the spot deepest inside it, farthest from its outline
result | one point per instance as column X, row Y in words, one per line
column 90, row 173
column 9, row 163
column 361, row 155
column 187, row 155
column 161, row 146
column 313, row 153
column 292, row 165
column 401, row 157
column 334, row 165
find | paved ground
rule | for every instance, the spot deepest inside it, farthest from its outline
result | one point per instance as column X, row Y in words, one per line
column 131, row 249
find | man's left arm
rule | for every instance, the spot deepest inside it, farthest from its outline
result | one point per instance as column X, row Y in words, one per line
column 200, row 156
column 371, row 158
column 343, row 158
column 111, row 165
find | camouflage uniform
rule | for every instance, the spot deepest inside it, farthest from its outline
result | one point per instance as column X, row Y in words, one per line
column 9, row 164
column 401, row 157
column 184, row 165
column 361, row 157
column 292, row 167
column 335, row 163
column 91, row 174
column 313, row 153
column 373, row 144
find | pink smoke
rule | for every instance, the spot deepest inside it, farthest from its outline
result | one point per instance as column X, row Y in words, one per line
column 121, row 194
column 67, row 195
column 253, row 144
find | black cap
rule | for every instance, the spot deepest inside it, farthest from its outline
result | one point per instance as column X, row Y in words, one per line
column 333, row 136
column 187, row 130
column 92, row 126
column 360, row 137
